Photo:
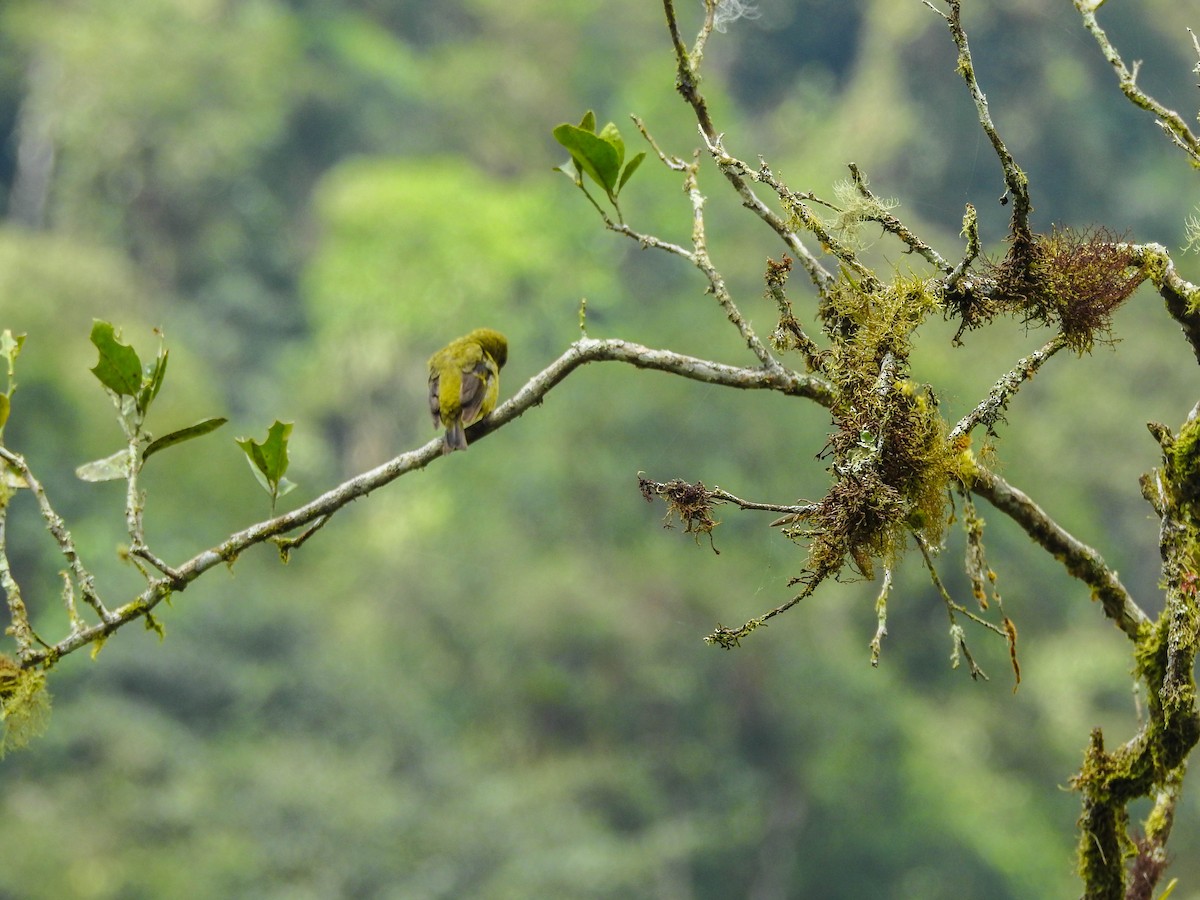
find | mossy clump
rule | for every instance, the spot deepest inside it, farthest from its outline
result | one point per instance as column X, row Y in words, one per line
column 1069, row 279
column 24, row 704
column 1182, row 458
column 888, row 452
column 692, row 503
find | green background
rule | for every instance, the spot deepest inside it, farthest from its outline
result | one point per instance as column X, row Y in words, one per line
column 488, row 679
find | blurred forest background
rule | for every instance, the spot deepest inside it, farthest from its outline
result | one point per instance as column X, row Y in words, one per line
column 488, row 679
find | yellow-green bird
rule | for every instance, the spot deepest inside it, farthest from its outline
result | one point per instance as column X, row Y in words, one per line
column 464, row 382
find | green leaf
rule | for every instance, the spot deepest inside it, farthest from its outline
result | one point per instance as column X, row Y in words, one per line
column 269, row 459
column 152, row 383
column 571, row 169
column 588, row 122
column 610, row 134
column 5, row 409
column 111, row 468
column 10, row 347
column 200, row 429
column 592, row 154
column 119, row 368
column 630, row 169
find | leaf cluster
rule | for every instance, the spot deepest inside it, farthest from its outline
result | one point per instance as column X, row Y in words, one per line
column 601, row 155
column 133, row 387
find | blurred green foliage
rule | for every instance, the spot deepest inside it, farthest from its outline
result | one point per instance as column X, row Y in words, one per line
column 488, row 680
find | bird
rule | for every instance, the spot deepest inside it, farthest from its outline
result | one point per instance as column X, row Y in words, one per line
column 464, row 383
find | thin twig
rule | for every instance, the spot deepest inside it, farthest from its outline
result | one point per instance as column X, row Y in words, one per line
column 893, row 225
column 881, row 617
column 687, row 80
column 796, row 203
column 1170, row 121
column 990, row 409
column 58, row 529
column 1014, row 179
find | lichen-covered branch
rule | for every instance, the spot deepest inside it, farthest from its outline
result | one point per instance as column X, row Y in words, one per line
column 1181, row 296
column 990, row 409
column 58, row 529
column 1080, row 560
column 894, row 225
column 1170, row 121
column 795, row 202
column 1014, row 179
column 687, row 82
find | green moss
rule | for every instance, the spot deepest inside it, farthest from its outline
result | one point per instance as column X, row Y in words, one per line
column 889, row 453
column 1182, row 460
column 24, row 704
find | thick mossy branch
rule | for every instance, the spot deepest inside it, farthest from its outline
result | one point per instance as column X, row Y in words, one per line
column 890, row 455
column 1152, row 762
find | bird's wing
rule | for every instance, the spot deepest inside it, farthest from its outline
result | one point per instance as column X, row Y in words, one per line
column 475, row 388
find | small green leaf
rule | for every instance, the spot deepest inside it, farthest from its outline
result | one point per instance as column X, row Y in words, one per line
column 610, row 134
column 119, row 368
column 269, row 459
column 5, row 409
column 152, row 382
column 630, row 169
column 571, row 169
column 10, row 347
column 200, row 429
column 111, row 468
column 588, row 122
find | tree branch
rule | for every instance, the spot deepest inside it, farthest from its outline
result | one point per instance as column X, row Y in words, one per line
column 585, row 350
column 1169, row 120
column 1014, row 179
column 687, row 81
column 1181, row 296
column 990, row 409
column 1080, row 560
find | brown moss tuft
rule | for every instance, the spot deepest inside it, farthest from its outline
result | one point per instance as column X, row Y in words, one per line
column 1071, row 280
